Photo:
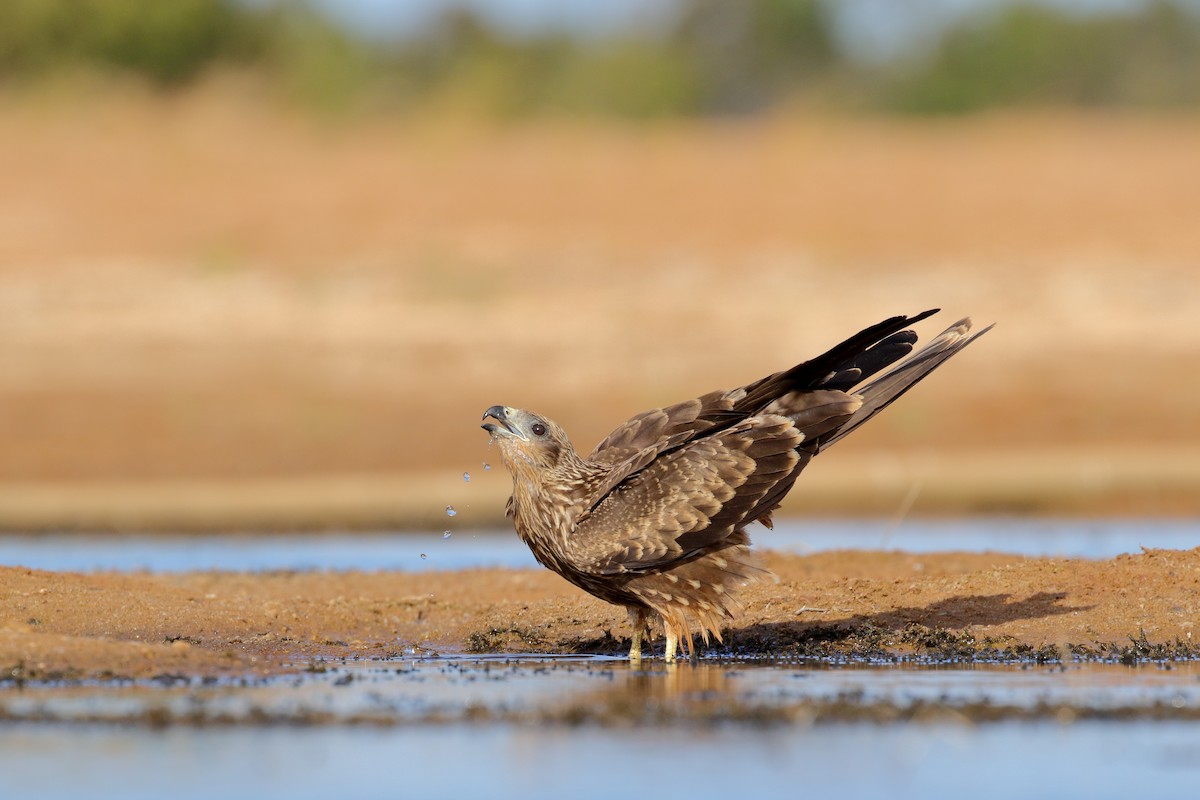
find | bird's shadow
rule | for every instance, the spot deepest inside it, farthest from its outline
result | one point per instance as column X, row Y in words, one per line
column 942, row 624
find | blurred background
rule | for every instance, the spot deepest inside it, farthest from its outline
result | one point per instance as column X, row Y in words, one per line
column 263, row 264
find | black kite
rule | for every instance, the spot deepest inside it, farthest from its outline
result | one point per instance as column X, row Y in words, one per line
column 655, row 518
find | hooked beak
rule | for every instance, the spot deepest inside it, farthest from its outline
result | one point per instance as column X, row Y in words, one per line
column 505, row 426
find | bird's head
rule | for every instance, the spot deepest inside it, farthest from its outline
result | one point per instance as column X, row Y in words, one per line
column 526, row 439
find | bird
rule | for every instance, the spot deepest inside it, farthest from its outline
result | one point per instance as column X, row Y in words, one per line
column 655, row 518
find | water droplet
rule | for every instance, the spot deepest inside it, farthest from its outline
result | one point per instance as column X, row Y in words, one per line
column 466, row 477
column 423, row 556
column 486, row 466
column 445, row 534
column 450, row 512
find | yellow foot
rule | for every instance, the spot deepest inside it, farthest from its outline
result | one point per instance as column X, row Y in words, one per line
column 672, row 647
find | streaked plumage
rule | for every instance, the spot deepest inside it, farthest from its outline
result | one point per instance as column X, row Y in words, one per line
column 655, row 518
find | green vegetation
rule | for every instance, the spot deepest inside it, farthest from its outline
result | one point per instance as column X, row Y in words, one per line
column 167, row 43
column 716, row 58
column 1034, row 55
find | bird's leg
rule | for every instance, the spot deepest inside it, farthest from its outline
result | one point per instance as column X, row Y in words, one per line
column 693, row 656
column 672, row 645
column 637, row 618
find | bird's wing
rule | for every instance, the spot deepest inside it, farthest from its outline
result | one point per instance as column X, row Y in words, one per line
column 886, row 389
column 684, row 477
column 650, row 429
column 687, row 500
column 842, row 367
column 812, row 413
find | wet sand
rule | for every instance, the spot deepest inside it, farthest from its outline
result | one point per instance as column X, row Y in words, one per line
column 879, row 605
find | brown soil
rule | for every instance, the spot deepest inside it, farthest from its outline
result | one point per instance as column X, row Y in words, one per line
column 948, row 605
column 202, row 299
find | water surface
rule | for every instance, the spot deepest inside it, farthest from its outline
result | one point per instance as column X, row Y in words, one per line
column 593, row 727
column 422, row 551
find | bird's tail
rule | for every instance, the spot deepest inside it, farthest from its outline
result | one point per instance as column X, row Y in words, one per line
column 884, row 390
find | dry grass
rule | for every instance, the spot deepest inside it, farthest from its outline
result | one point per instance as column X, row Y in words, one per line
column 197, row 293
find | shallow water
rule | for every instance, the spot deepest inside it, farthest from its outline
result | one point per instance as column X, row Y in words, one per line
column 595, row 727
column 466, row 549
column 610, row 691
column 1010, row 760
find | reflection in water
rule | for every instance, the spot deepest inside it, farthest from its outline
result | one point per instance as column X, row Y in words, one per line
column 653, row 694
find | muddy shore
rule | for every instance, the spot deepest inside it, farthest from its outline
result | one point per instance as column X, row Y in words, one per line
column 944, row 606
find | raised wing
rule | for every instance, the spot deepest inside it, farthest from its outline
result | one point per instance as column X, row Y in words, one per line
column 689, row 500
column 678, row 422
column 841, row 368
column 884, row 390
column 685, row 477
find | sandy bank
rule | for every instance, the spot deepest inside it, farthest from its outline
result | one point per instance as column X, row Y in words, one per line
column 946, row 605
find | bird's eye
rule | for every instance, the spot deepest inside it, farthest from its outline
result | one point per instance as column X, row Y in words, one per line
column 538, row 429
